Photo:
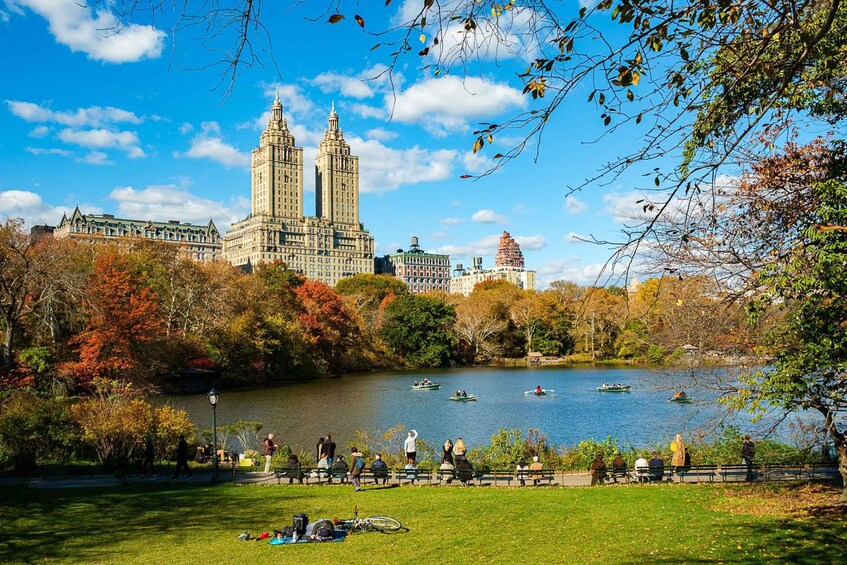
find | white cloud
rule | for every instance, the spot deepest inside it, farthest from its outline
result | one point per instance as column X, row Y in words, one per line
column 30, row 206
column 96, row 158
column 294, row 101
column 383, row 168
column 172, row 202
column 93, row 116
column 574, row 206
column 381, row 134
column 488, row 217
column 531, row 242
column 362, row 85
column 450, row 221
column 185, row 128
column 209, row 144
column 476, row 163
column 50, row 151
column 628, row 207
column 40, row 131
column 449, row 103
column 97, row 32
column 365, row 111
column 104, row 138
column 568, row 270
column 484, row 246
column 574, row 237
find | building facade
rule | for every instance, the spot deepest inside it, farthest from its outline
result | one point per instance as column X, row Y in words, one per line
column 327, row 247
column 201, row 243
column 464, row 280
column 421, row 271
column 509, row 253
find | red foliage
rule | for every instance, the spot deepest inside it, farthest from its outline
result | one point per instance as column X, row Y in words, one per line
column 122, row 315
column 327, row 324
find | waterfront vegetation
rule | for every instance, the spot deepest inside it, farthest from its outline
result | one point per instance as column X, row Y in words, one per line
column 155, row 523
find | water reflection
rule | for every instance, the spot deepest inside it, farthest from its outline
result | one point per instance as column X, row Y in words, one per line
column 301, row 413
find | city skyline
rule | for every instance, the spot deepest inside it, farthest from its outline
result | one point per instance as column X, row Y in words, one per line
column 118, row 129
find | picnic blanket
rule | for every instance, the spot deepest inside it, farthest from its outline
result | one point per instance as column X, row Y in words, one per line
column 338, row 535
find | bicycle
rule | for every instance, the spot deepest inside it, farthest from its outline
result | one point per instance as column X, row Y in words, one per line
column 382, row 524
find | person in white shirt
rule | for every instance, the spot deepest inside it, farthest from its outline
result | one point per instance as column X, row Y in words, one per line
column 410, row 446
column 642, row 471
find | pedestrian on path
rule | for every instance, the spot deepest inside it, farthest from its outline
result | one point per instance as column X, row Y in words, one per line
column 149, row 457
column 328, row 452
column 678, row 450
column 182, row 457
column 268, row 449
column 748, row 453
column 357, row 465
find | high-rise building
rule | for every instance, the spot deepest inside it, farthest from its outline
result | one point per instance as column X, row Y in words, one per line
column 327, row 247
column 509, row 253
column 464, row 280
column 200, row 242
column 421, row 271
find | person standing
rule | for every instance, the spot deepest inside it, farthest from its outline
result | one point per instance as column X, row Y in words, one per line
column 182, row 457
column 357, row 465
column 748, row 453
column 460, row 449
column 318, row 449
column 411, row 447
column 268, row 449
column 447, row 456
column 328, row 452
column 598, row 470
column 149, row 457
column 678, row 450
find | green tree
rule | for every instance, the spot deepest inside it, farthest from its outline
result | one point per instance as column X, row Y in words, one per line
column 420, row 328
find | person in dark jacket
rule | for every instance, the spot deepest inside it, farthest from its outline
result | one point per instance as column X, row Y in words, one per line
column 328, row 451
column 182, row 457
column 149, row 457
column 357, row 466
column 618, row 467
column 598, row 470
column 379, row 470
column 748, row 453
column 464, row 470
column 447, row 455
column 294, row 471
column 657, row 467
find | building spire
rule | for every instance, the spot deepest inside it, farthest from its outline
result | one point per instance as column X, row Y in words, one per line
column 333, row 119
column 277, row 120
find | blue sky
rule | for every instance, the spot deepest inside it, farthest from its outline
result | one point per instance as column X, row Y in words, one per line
column 127, row 124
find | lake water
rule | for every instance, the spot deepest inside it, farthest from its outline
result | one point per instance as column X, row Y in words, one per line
column 301, row 413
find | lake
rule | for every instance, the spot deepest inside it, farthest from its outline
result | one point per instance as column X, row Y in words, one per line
column 301, row 413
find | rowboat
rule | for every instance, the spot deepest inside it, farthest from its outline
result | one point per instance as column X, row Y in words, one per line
column 680, row 400
column 543, row 392
column 430, row 386
column 468, row 398
column 621, row 388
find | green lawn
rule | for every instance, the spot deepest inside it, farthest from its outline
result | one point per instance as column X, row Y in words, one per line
column 195, row 522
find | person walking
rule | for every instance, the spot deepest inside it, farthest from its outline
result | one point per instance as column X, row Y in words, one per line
column 268, row 449
column 460, row 449
column 182, row 457
column 748, row 453
column 410, row 446
column 678, row 457
column 149, row 457
column 357, row 465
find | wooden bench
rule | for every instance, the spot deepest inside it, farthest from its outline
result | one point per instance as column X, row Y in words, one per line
column 486, row 476
column 734, row 471
column 652, row 474
column 536, row 478
column 412, row 475
column 823, row 471
column 615, row 474
column 784, row 472
column 696, row 472
column 290, row 473
column 383, row 475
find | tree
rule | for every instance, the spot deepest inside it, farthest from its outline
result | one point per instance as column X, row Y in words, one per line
column 123, row 320
column 329, row 327
column 528, row 314
column 420, row 328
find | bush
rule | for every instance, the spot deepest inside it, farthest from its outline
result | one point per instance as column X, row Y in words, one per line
column 656, row 354
column 34, row 429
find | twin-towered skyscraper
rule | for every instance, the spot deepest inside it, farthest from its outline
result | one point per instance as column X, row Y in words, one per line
column 327, row 247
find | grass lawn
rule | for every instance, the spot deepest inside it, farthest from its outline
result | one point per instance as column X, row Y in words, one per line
column 195, row 522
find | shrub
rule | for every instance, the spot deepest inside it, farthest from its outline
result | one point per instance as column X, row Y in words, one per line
column 34, row 429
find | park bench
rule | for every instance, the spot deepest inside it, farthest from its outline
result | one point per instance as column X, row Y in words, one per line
column 412, row 475
column 486, row 476
column 535, row 478
column 738, row 472
column 383, row 475
column 697, row 472
column 290, row 473
column 615, row 474
column 823, row 471
column 652, row 474
column 784, row 472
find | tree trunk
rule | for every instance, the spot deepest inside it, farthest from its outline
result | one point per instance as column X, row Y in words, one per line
column 841, row 449
column 840, row 441
column 6, row 350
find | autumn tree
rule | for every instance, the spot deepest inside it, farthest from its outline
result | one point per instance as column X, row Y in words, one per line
column 330, row 328
column 123, row 325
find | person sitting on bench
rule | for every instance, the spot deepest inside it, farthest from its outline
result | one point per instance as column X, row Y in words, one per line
column 657, row 467
column 379, row 470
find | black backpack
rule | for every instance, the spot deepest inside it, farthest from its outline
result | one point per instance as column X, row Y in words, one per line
column 300, row 523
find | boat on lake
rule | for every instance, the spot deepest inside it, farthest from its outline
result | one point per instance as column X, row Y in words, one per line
column 680, row 400
column 426, row 386
column 468, row 398
column 614, row 388
column 542, row 392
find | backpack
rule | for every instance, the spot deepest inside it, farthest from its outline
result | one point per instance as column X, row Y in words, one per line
column 323, row 530
column 300, row 523
column 359, row 463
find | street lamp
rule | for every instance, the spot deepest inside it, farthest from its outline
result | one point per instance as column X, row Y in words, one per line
column 214, row 396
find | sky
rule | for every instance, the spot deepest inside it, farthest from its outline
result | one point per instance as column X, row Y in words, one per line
column 137, row 124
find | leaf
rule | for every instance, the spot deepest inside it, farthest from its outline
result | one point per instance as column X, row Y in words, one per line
column 656, row 181
column 607, row 121
column 423, row 51
column 638, row 119
column 602, row 99
column 375, row 46
column 629, row 95
column 360, row 21
column 498, row 156
column 478, row 144
column 437, row 72
column 387, row 2
column 636, row 78
column 335, row 18
column 490, row 138
column 422, row 38
column 465, row 177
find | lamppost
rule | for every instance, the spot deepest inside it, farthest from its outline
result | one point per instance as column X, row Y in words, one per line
column 214, row 396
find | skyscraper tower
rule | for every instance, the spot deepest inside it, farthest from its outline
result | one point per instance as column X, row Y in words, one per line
column 509, row 253
column 336, row 177
column 277, row 184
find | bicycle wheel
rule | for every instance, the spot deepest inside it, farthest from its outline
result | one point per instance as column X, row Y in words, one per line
column 384, row 523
